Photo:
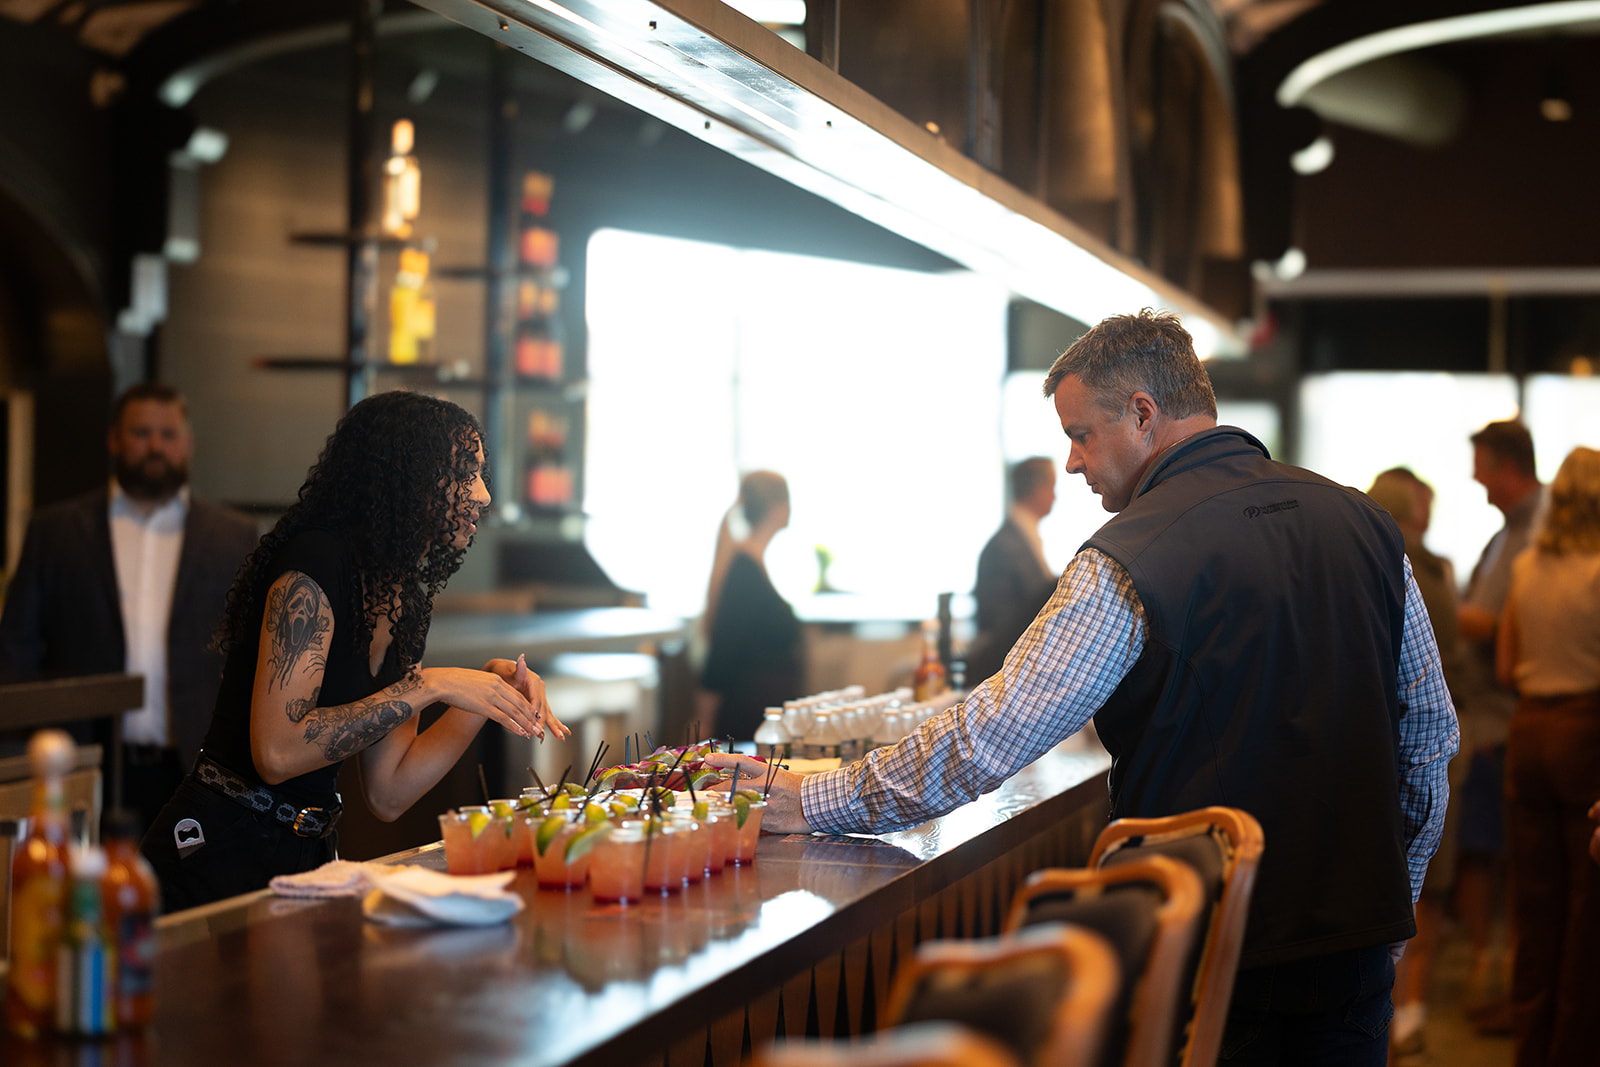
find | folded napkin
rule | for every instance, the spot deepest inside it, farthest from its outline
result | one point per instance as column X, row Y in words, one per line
column 417, row 896
column 336, row 878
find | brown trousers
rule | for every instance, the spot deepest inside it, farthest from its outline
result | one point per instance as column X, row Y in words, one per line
column 1552, row 777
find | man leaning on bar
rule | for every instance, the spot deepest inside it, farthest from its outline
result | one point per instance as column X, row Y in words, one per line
column 1244, row 633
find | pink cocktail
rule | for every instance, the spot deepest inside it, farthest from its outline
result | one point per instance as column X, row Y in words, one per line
column 663, row 868
column 748, row 834
column 616, row 867
column 552, row 869
column 468, row 854
column 695, row 855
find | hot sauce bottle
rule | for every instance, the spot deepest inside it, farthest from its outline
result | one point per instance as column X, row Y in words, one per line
column 131, row 902
column 40, row 880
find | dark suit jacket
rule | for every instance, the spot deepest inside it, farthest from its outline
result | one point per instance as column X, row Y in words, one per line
column 1011, row 589
column 63, row 616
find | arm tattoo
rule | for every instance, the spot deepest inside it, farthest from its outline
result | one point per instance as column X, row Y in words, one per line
column 294, row 619
column 343, row 731
column 299, row 709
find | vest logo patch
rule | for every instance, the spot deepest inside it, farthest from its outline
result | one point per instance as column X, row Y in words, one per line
column 1254, row 512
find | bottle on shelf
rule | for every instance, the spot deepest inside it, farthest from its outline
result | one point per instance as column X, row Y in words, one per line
column 131, row 898
column 538, row 245
column 402, row 182
column 412, row 315
column 85, row 962
column 929, row 680
column 771, row 738
column 40, row 880
column 550, row 478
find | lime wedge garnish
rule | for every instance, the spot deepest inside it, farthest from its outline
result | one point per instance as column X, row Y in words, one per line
column 752, row 795
column 548, row 831
column 476, row 821
column 576, row 790
column 702, row 808
column 561, row 803
column 619, row 809
column 706, row 777
column 501, row 807
column 741, row 808
column 594, row 813
column 579, row 846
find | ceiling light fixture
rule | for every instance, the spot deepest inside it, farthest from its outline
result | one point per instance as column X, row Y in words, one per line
column 1314, row 157
column 1427, row 34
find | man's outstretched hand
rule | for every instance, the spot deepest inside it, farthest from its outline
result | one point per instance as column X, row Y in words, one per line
column 783, row 814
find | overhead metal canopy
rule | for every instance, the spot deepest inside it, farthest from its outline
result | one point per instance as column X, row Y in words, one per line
column 710, row 71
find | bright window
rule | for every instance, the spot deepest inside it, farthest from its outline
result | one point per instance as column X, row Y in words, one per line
column 873, row 391
column 1355, row 425
column 1562, row 413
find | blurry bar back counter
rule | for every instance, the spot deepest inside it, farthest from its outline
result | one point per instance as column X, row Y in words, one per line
column 804, row 941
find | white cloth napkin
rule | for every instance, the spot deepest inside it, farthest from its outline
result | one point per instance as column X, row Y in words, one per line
column 336, row 878
column 417, row 896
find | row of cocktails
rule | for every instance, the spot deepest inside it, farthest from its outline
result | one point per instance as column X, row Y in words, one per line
column 630, row 845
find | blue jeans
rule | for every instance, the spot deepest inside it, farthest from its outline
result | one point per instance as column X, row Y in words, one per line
column 1325, row 1010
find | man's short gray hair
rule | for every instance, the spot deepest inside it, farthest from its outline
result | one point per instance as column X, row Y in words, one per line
column 1149, row 352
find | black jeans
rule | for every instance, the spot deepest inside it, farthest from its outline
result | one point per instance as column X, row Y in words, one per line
column 243, row 849
column 1325, row 1010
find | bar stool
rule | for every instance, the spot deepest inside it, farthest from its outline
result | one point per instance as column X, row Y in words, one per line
column 1223, row 846
column 1151, row 911
column 1046, row 994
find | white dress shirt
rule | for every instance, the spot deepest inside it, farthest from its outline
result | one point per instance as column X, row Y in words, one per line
column 146, row 541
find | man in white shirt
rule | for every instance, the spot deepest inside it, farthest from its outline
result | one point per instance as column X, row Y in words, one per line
column 133, row 577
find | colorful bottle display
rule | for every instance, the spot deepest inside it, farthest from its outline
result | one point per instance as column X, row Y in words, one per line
column 40, row 882
column 402, row 182
column 412, row 315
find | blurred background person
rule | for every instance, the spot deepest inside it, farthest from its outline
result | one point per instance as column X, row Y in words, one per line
column 1410, row 501
column 132, row 577
column 1014, row 578
column 754, row 657
column 1549, row 650
column 1503, row 463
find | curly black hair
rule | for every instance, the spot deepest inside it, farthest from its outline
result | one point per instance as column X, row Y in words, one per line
column 389, row 480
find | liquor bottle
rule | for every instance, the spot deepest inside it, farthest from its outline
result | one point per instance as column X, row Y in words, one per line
column 402, row 182
column 929, row 680
column 39, row 882
column 85, row 961
column 411, row 310
column 131, row 902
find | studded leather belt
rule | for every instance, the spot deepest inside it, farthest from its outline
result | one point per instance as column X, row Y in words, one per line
column 304, row 821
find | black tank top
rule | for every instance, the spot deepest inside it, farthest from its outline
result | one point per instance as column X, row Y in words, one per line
column 325, row 557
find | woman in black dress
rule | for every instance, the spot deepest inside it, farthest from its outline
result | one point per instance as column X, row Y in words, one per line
column 324, row 632
column 754, row 659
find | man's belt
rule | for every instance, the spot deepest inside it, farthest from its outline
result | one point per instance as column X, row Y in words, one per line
column 306, row 822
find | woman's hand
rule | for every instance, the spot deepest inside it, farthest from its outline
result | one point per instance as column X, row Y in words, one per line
column 488, row 694
column 531, row 686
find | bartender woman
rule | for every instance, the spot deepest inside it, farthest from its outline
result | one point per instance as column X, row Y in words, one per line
column 324, row 629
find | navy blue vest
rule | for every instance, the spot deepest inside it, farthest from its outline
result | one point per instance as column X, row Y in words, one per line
column 1274, row 601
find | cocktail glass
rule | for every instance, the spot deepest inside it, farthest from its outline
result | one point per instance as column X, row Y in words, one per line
column 552, row 869
column 695, row 855
column 745, row 848
column 724, row 835
column 663, row 870
column 616, row 866
column 466, row 854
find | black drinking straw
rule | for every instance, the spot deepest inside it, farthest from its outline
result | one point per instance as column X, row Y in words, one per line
column 599, row 754
column 536, row 780
column 484, row 782
column 564, row 774
column 772, row 772
column 650, row 740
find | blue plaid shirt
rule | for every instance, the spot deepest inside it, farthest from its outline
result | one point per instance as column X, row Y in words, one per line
column 1060, row 672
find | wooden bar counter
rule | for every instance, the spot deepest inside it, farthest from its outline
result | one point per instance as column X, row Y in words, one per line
column 803, row 941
